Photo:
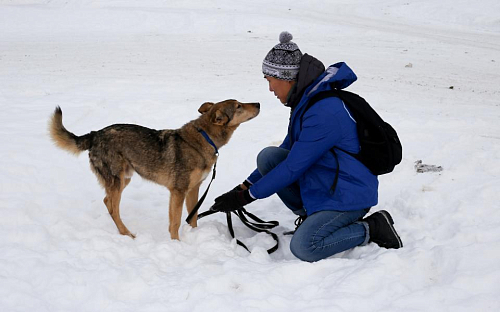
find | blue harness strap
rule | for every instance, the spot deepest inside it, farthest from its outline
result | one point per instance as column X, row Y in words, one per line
column 209, row 140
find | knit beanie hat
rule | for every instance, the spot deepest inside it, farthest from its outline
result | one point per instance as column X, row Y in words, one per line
column 283, row 61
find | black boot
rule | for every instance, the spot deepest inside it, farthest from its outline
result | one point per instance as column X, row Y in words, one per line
column 382, row 231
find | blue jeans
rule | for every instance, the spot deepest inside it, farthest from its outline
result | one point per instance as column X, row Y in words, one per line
column 323, row 233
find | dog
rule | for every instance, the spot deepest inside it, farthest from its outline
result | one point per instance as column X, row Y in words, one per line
column 178, row 159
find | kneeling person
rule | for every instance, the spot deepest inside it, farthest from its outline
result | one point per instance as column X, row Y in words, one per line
column 302, row 169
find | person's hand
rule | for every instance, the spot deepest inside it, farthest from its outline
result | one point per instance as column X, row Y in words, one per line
column 238, row 188
column 232, row 200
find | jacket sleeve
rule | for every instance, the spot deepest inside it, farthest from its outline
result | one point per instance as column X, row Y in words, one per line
column 321, row 130
column 255, row 175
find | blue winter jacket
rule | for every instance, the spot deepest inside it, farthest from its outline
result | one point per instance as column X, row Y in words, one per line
column 310, row 162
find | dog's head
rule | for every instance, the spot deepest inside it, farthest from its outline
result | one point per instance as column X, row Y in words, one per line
column 229, row 113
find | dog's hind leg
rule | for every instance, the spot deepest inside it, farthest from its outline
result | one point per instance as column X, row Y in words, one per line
column 110, row 208
column 175, row 212
column 191, row 200
column 112, row 202
column 114, row 175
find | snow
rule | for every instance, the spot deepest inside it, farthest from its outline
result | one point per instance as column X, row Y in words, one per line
column 154, row 63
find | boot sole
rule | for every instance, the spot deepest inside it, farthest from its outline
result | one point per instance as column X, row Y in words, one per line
column 390, row 221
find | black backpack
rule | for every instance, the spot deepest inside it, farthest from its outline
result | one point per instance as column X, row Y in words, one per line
column 381, row 148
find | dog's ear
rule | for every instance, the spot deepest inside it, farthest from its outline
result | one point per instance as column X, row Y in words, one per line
column 220, row 118
column 205, row 107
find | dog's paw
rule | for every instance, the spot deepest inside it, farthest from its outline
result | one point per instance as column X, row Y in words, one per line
column 129, row 234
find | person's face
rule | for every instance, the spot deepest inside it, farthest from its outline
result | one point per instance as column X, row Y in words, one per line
column 281, row 88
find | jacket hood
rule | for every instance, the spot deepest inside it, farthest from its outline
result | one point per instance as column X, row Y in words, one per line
column 337, row 76
column 310, row 69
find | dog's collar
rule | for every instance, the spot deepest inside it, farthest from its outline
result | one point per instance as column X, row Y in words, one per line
column 205, row 135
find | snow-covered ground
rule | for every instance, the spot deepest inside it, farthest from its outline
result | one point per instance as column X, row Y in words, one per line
column 431, row 69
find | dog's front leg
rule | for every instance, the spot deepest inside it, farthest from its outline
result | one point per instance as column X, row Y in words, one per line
column 175, row 212
column 191, row 200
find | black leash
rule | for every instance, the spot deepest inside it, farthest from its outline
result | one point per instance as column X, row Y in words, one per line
column 202, row 198
column 258, row 226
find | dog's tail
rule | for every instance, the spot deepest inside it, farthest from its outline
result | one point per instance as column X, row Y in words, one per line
column 65, row 139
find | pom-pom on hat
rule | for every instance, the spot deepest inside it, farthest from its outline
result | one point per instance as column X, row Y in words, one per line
column 283, row 61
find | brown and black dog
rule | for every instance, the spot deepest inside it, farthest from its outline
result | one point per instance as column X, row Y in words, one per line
column 177, row 159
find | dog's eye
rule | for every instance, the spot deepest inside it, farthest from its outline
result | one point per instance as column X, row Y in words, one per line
column 238, row 106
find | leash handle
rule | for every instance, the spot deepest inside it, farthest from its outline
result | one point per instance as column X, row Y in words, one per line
column 261, row 223
column 262, row 226
column 231, row 231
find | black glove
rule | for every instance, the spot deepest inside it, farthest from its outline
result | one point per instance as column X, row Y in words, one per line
column 232, row 200
column 237, row 188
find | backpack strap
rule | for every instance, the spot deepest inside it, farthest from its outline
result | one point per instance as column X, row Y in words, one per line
column 316, row 98
column 334, row 185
